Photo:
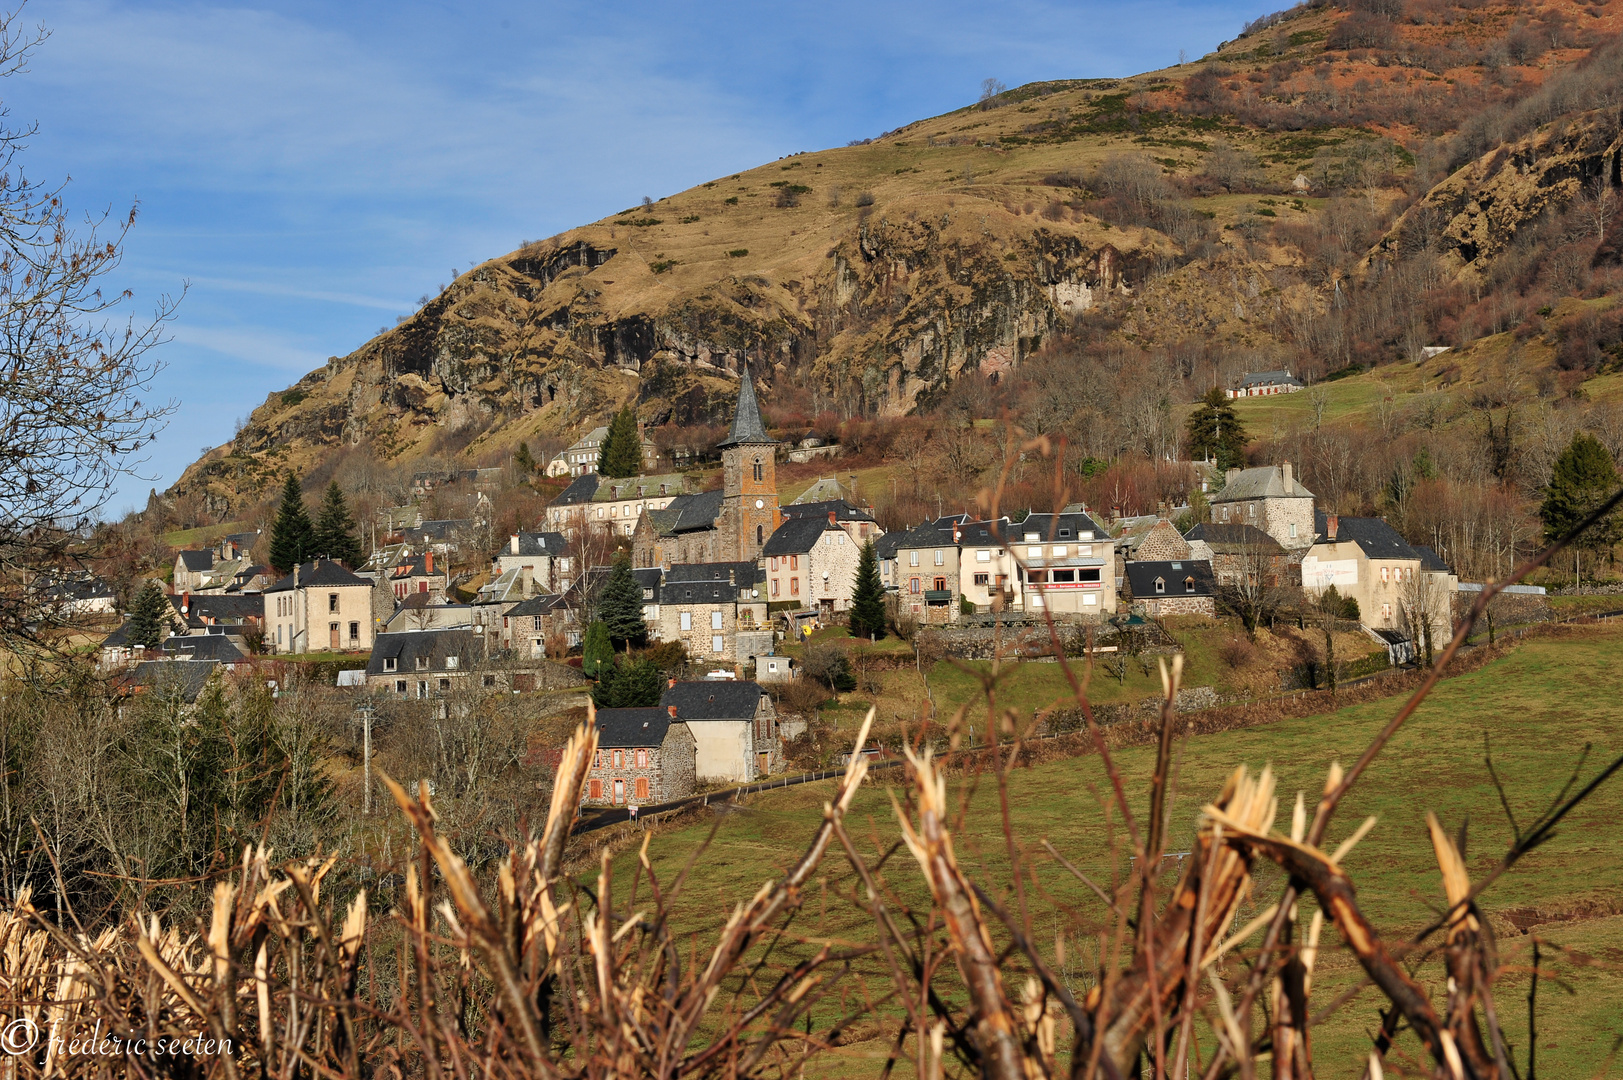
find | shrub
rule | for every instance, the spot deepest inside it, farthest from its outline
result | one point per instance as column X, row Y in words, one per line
column 829, row 665
column 1237, row 653
column 738, row 253
column 731, row 200
column 865, row 199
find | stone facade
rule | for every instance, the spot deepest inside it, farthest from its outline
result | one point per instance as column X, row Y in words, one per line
column 1271, row 499
column 813, row 563
column 716, row 610
column 1163, row 541
column 646, row 774
column 1157, row 607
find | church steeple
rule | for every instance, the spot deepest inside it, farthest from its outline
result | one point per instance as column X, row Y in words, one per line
column 747, row 426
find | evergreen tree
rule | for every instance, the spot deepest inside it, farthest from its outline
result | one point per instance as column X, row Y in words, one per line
column 621, row 453
column 335, row 530
column 1583, row 478
column 619, row 605
column 149, row 616
column 868, row 596
column 597, row 652
column 1215, row 432
column 293, row 538
column 522, row 461
column 629, row 684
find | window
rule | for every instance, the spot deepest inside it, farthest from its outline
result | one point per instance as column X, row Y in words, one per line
column 760, row 534
column 983, row 555
column 1086, row 534
column 648, row 594
column 619, row 791
column 1090, row 599
column 687, row 620
column 1063, row 576
column 355, row 631
column 1386, row 613
column 1088, row 575
column 642, row 759
column 1386, row 574
column 1034, row 553
column 774, row 586
column 1032, row 538
column 913, row 586
column 912, row 558
column 537, row 619
column 450, row 663
column 758, row 476
column 422, row 663
column 422, row 688
column 332, row 601
column 983, row 579
column 773, row 561
column 794, row 562
column 445, row 684
column 597, row 759
column 422, row 586
column 794, row 586
column 1160, row 585
column 1293, row 530
column 940, row 584
column 619, row 759
column 390, row 663
column 718, row 644
column 1408, row 573
column 490, row 680
column 940, row 557
column 715, row 620
column 400, row 686
column 1189, row 585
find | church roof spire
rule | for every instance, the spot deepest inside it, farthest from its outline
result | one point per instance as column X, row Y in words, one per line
column 747, row 426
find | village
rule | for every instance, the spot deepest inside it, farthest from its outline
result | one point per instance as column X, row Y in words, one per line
column 730, row 585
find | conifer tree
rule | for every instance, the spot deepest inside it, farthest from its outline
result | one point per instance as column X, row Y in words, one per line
column 149, row 616
column 1583, row 478
column 1215, row 432
column 628, row 684
column 523, row 461
column 619, row 606
column 597, row 652
column 621, row 453
column 868, row 596
column 335, row 530
column 293, row 538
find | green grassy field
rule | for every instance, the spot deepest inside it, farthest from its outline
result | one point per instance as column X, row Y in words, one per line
column 1539, row 706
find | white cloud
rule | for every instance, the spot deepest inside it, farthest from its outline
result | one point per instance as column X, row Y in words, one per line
column 259, row 347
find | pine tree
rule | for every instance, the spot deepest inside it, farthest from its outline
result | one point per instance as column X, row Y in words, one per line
column 1215, row 432
column 621, row 453
column 522, row 461
column 868, row 597
column 335, row 530
column 597, row 652
column 1583, row 478
column 293, row 538
column 149, row 616
column 619, row 605
column 628, row 684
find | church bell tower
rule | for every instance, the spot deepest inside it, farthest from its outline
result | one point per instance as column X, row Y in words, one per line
column 749, row 481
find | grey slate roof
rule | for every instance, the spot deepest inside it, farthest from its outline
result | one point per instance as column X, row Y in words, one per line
column 197, row 561
column 535, row 605
column 694, row 511
column 222, row 607
column 1376, row 538
column 621, row 728
column 796, row 536
column 441, row 530
column 204, row 647
column 1176, row 573
column 406, row 646
column 648, row 577
column 1053, row 528
column 843, row 511
column 747, row 426
column 537, row 543
column 1430, row 560
column 321, row 574
column 928, row 534
column 1263, row 482
column 709, row 583
column 185, row 677
column 713, row 700
column 580, row 490
column 1234, row 536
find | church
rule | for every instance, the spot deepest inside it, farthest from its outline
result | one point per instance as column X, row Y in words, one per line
column 730, row 525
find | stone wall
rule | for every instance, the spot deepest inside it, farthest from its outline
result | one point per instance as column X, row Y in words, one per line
column 1160, row 606
column 669, row 772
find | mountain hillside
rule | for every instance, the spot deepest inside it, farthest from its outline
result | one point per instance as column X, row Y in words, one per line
column 1230, row 213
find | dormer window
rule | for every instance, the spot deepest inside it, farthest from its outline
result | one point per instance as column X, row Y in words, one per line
column 1189, row 585
column 1032, row 537
column 1087, row 534
column 450, row 663
column 1160, row 585
column 422, row 663
column 1065, row 530
column 389, row 663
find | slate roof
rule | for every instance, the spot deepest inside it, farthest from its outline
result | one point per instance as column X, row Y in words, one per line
column 648, row 577
column 535, row 605
column 197, row 561
column 537, row 543
column 320, row 574
column 709, row 583
column 928, row 534
column 1263, row 482
column 690, row 512
column 825, row 489
column 1051, row 528
column 1376, row 538
column 1141, row 578
column 441, row 530
column 215, row 647
column 187, row 676
column 747, row 427
column 1430, row 560
column 796, row 536
column 613, row 488
column 1224, row 538
column 1269, row 378
column 713, row 700
column 580, row 490
column 222, row 607
column 843, row 511
column 404, row 647
column 987, row 533
column 621, row 728
column 79, row 587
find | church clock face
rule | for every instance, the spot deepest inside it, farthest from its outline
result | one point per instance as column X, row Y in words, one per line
column 760, row 504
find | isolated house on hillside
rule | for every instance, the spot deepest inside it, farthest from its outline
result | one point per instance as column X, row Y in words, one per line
column 734, row 725
column 1264, row 383
column 643, row 756
column 1272, row 499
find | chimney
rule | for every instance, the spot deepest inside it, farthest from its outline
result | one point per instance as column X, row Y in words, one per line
column 1331, row 523
column 295, row 575
column 672, row 710
column 1228, row 477
column 428, row 560
column 831, row 518
column 1290, row 477
column 185, row 601
column 512, row 545
column 670, row 684
column 732, row 576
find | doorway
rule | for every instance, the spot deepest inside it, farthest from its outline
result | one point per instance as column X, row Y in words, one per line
column 332, row 633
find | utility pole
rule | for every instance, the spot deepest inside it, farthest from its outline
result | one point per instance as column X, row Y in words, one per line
column 366, row 709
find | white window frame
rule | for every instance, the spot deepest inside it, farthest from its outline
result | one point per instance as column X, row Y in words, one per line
column 715, row 620
column 718, row 644
column 687, row 620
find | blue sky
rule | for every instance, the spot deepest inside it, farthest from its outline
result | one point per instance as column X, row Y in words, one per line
column 309, row 169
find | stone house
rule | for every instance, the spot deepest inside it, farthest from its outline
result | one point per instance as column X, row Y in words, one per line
column 319, row 606
column 190, row 569
column 858, row 521
column 716, row 610
column 1271, row 498
column 735, row 728
column 1068, row 565
column 523, row 628
column 611, row 505
column 413, row 574
column 424, row 663
column 922, row 568
column 581, row 457
column 811, row 562
column 1367, row 559
column 1171, row 587
column 643, row 756
column 1162, row 542
column 1244, row 554
column 543, row 554
column 1264, row 383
